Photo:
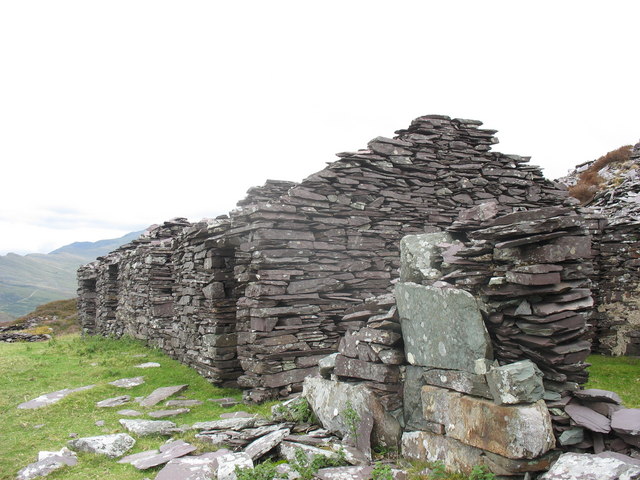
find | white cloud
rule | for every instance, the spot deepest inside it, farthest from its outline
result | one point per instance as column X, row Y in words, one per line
column 131, row 113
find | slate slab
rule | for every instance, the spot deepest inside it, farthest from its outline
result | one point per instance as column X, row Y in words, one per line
column 148, row 427
column 626, row 421
column 128, row 382
column 200, row 467
column 48, row 462
column 587, row 418
column 51, row 398
column 519, row 382
column 164, row 454
column 239, row 414
column 442, row 327
column 228, row 463
column 129, row 413
column 262, row 445
column 113, row 446
column 226, row 424
column 113, row 402
column 183, row 403
column 160, row 394
column 345, row 473
column 597, row 395
column 168, row 413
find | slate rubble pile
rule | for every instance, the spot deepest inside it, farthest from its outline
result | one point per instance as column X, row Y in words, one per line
column 17, row 332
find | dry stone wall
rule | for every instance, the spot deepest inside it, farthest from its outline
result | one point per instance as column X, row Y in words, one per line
column 273, row 281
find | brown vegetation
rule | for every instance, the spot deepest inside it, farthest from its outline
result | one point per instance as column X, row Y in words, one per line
column 590, row 181
column 61, row 316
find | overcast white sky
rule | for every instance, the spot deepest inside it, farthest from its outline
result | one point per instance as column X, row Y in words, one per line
column 118, row 114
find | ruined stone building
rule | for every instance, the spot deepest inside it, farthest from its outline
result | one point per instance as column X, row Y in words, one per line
column 258, row 297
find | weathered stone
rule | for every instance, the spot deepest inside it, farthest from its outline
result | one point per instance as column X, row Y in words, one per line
column 419, row 256
column 148, row 427
column 168, row 413
column 200, row 467
column 48, row 462
column 442, row 328
column 572, row 436
column 509, row 466
column 327, row 364
column 228, row 463
column 153, row 458
column 148, row 365
column 582, row 466
column 183, row 403
column 112, row 446
column 51, row 398
column 238, row 414
column 585, row 417
column 522, row 431
column 226, row 424
column 287, row 450
column 597, row 395
column 329, row 399
column 345, row 473
column 458, row 380
column 429, row 447
column 352, row 367
column 626, row 421
column 128, row 382
column 129, row 413
column 160, row 394
column 113, row 402
column 519, row 382
column 262, row 445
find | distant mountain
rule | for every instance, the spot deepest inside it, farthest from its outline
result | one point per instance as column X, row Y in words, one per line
column 27, row 281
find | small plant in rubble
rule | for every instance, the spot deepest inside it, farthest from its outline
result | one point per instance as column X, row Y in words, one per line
column 351, row 419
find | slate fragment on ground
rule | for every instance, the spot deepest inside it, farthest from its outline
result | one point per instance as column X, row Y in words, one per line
column 148, row 427
column 168, row 413
column 48, row 462
column 160, row 394
column 51, row 398
column 200, row 467
column 153, row 458
column 148, row 365
column 113, row 446
column 113, row 402
column 128, row 382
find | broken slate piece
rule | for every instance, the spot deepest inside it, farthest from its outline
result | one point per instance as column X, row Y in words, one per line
column 113, row 446
column 182, row 403
column 226, row 424
column 626, row 421
column 160, row 394
column 577, row 466
column 148, row 365
column 168, row 413
column 200, row 467
column 597, row 395
column 153, row 458
column 262, row 445
column 47, row 463
column 113, row 402
column 585, row 417
column 239, row 414
column 572, row 436
column 519, row 382
column 225, row 402
column 128, row 382
column 50, row 398
column 148, row 427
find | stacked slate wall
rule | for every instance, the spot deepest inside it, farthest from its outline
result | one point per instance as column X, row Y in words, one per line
column 274, row 280
column 618, row 296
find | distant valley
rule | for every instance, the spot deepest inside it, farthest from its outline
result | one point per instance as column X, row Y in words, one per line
column 27, row 281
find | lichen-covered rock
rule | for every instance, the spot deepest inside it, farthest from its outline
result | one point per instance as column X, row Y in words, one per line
column 148, row 427
column 582, row 466
column 227, row 465
column 113, row 446
column 519, row 382
column 47, row 462
column 442, row 327
column 418, row 256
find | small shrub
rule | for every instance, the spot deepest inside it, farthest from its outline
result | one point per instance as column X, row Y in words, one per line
column 481, row 472
column 381, row 471
column 351, row 419
column 307, row 469
column 438, row 471
column 262, row 471
column 298, row 411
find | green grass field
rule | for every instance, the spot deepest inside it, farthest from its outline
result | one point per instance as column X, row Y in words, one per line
column 32, row 369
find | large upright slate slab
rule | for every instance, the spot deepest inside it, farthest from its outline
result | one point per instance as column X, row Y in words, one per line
column 441, row 327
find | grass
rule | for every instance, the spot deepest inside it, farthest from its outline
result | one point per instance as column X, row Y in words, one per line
column 617, row 374
column 32, row 369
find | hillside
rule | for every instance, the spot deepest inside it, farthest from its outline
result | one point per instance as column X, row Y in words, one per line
column 27, row 281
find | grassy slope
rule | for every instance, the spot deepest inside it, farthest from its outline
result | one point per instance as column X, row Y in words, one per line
column 618, row 374
column 30, row 370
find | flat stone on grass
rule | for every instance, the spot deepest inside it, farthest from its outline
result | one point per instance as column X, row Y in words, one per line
column 160, row 394
column 128, row 382
column 129, row 413
column 200, row 467
column 262, row 445
column 148, row 427
column 164, row 454
column 51, row 398
column 113, row 446
column 148, row 365
column 182, row 403
column 114, row 401
column 48, row 462
column 226, row 424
